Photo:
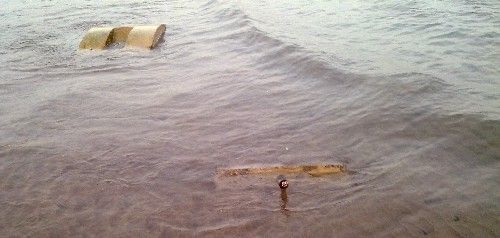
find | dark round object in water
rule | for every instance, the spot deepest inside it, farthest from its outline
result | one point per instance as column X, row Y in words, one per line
column 283, row 184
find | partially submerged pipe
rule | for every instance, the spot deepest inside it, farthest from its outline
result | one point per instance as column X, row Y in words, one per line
column 145, row 36
column 98, row 38
column 313, row 170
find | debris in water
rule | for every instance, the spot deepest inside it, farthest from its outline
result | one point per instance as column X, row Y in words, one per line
column 313, row 170
column 283, row 184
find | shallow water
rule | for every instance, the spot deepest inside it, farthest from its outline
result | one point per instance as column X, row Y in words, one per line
column 125, row 143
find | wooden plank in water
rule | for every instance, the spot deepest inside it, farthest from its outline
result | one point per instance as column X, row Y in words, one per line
column 314, row 170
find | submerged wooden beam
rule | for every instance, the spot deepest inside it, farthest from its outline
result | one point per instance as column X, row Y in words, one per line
column 98, row 38
column 313, row 170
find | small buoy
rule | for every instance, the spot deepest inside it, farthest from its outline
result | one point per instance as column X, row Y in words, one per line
column 283, row 184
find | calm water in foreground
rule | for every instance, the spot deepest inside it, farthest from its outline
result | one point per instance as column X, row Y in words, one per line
column 125, row 143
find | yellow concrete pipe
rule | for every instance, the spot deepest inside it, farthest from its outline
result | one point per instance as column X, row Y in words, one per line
column 97, row 38
column 145, row 36
column 134, row 36
column 120, row 34
column 313, row 170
